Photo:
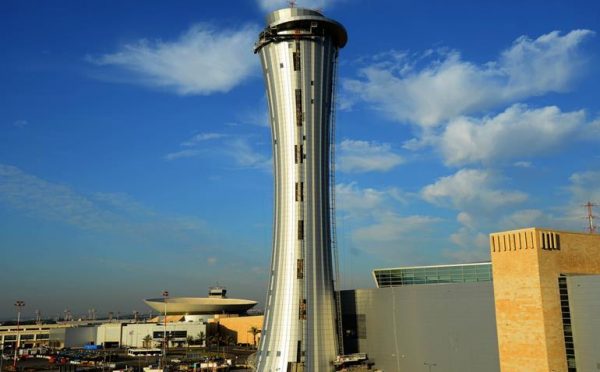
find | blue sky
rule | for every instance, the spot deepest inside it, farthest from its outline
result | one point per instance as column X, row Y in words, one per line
column 135, row 150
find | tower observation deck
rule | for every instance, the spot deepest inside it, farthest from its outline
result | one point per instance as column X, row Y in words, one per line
column 298, row 50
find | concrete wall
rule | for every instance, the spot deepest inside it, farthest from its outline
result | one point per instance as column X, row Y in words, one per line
column 109, row 333
column 79, row 336
column 123, row 334
column 402, row 328
column 240, row 327
column 584, row 303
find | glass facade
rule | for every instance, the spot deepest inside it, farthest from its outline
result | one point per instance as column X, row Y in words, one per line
column 467, row 273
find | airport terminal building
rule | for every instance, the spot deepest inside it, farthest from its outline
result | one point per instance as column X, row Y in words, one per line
column 442, row 315
column 534, row 307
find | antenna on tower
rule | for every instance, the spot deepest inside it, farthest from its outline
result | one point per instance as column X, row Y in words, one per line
column 38, row 317
column 292, row 3
column 590, row 216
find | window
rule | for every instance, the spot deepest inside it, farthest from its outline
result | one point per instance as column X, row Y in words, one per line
column 300, row 268
column 298, row 154
column 170, row 334
column 299, row 116
column 567, row 329
column 299, row 191
column 302, row 312
column 301, row 229
column 296, row 61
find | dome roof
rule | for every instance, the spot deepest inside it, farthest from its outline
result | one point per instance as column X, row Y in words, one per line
column 200, row 305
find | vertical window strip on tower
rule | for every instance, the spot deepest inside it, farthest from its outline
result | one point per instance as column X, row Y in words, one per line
column 299, row 107
column 296, row 58
column 298, row 154
column 300, row 229
column 299, row 191
column 300, row 268
column 302, row 312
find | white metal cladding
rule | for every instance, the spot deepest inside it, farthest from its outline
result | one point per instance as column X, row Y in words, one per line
column 298, row 51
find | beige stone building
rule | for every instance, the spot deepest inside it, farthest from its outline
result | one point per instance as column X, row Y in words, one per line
column 240, row 327
column 530, row 270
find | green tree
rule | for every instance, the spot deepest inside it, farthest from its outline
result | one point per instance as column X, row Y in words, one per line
column 254, row 331
column 201, row 338
column 213, row 340
column 147, row 341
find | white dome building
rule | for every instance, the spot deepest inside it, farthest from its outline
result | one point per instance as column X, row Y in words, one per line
column 195, row 307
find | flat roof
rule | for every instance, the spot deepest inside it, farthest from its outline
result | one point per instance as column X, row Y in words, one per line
column 434, row 266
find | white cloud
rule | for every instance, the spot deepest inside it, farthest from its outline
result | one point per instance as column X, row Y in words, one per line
column 192, row 146
column 203, row 60
column 391, row 227
column 35, row 196
column 376, row 227
column 258, row 115
column 121, row 202
column 524, row 218
column 188, row 153
column 247, row 157
column 470, row 189
column 466, row 220
column 362, row 156
column 201, row 137
column 237, row 148
column 447, row 86
column 471, row 245
column 585, row 186
column 359, row 202
column 270, row 5
column 471, row 240
column 522, row 164
column 354, row 200
column 515, row 133
column 103, row 212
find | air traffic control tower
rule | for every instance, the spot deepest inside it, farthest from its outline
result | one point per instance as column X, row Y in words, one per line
column 298, row 50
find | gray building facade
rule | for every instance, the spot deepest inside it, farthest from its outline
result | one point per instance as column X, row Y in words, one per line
column 448, row 327
column 584, row 313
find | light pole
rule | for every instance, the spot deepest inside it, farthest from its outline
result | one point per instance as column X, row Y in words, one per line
column 430, row 365
column 19, row 304
column 165, row 295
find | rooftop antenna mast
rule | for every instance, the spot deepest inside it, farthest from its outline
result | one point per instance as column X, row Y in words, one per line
column 292, row 3
column 590, row 216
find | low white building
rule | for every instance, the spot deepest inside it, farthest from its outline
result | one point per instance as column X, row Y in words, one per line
column 122, row 334
column 135, row 334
